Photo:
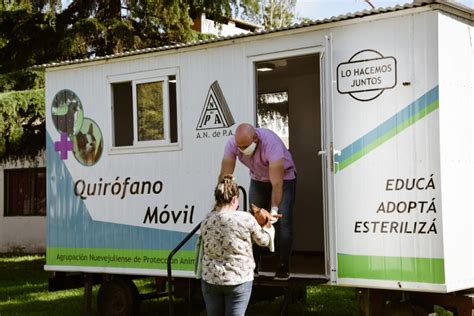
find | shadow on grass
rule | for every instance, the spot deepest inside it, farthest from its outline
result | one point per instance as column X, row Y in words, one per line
column 16, row 291
column 24, row 291
column 13, row 270
column 58, row 303
column 22, row 275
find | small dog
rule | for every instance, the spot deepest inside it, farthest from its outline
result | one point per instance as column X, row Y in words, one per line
column 263, row 216
column 89, row 150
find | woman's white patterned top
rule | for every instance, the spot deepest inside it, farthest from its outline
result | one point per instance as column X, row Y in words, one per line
column 227, row 237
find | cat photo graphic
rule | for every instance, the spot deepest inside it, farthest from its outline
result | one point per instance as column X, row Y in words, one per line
column 67, row 112
column 88, row 143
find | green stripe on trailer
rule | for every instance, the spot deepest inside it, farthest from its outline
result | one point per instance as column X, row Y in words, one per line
column 422, row 270
column 119, row 258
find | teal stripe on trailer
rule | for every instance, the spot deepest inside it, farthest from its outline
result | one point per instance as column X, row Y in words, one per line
column 388, row 129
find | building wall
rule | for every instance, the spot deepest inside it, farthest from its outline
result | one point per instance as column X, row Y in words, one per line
column 230, row 28
column 20, row 233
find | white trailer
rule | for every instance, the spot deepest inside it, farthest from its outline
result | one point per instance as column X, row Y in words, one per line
column 366, row 102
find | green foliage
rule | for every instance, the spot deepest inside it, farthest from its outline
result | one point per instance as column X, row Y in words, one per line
column 21, row 80
column 22, row 125
column 31, row 6
column 29, row 38
column 36, row 32
column 278, row 13
column 273, row 106
column 441, row 311
column 150, row 111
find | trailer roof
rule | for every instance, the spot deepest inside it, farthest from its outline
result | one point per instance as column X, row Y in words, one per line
column 443, row 5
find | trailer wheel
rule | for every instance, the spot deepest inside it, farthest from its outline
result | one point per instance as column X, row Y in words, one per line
column 118, row 297
column 298, row 294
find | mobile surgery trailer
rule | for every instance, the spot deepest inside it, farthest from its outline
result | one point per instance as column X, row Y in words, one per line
column 375, row 107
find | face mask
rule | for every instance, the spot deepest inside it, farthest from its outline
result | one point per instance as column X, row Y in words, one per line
column 249, row 150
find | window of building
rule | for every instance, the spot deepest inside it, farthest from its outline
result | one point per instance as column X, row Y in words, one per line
column 25, row 192
column 144, row 110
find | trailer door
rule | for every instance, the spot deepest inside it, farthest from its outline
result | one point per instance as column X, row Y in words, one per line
column 328, row 153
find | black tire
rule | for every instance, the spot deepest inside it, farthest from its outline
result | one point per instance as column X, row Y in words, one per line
column 118, row 297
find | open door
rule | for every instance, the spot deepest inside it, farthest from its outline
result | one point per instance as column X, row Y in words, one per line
column 328, row 153
column 289, row 100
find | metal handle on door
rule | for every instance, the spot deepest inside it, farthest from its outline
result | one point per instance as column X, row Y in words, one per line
column 321, row 152
column 336, row 153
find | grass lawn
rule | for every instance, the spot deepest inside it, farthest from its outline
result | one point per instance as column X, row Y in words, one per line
column 24, row 291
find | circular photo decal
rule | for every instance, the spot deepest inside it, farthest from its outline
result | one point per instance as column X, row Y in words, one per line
column 67, row 112
column 88, row 143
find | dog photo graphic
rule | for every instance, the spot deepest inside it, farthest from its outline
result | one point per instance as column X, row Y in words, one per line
column 88, row 143
column 67, row 112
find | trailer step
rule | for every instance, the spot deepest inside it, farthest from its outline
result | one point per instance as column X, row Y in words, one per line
column 296, row 279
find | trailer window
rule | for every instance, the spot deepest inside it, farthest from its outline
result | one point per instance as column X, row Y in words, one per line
column 25, row 192
column 145, row 112
column 123, row 113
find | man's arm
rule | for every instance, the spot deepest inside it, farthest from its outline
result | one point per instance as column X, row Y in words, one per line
column 277, row 170
column 227, row 167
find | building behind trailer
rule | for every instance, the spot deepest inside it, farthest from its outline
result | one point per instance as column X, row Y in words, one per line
column 23, row 207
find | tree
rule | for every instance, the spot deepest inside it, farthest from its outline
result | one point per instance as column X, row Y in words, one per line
column 278, row 13
column 22, row 125
column 38, row 31
column 22, row 128
column 41, row 31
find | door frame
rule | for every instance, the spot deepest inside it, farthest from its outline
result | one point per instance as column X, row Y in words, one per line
column 328, row 186
column 328, row 152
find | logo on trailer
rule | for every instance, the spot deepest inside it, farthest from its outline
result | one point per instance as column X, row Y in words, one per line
column 78, row 134
column 216, row 113
column 366, row 75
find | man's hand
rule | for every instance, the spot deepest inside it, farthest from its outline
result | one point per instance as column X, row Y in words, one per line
column 263, row 217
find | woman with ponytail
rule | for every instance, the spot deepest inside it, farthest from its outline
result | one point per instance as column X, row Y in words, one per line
column 227, row 262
